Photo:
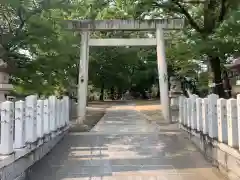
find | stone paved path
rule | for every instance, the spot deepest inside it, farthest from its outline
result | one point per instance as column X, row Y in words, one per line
column 124, row 146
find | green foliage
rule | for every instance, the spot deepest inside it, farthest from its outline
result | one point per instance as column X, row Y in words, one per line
column 211, row 31
column 40, row 50
column 44, row 57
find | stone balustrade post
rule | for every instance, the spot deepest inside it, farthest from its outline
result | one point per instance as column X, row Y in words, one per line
column 185, row 119
column 68, row 110
column 52, row 111
column 46, row 115
column 232, row 121
column 7, row 118
column 205, row 115
column 199, row 114
column 212, row 115
column 189, row 112
column 222, row 120
column 31, row 118
column 20, row 126
column 58, row 113
column 40, row 120
column 193, row 112
column 62, row 113
column 66, row 99
column 238, row 115
column 181, row 109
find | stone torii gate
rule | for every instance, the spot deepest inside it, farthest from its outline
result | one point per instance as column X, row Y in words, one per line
column 158, row 25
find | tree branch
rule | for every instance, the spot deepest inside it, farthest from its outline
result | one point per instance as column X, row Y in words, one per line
column 35, row 4
column 22, row 21
column 223, row 10
column 192, row 1
column 183, row 11
column 179, row 9
column 34, row 12
column 8, row 22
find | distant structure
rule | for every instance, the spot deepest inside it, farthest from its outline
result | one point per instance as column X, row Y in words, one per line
column 5, row 87
column 233, row 74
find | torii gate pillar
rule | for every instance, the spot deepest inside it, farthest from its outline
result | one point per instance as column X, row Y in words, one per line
column 162, row 75
column 83, row 76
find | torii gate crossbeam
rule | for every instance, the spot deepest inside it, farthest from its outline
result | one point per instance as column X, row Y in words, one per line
column 158, row 25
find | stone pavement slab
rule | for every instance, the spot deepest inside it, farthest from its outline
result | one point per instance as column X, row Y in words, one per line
column 124, row 145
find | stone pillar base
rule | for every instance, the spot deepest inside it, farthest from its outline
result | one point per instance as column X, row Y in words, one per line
column 80, row 119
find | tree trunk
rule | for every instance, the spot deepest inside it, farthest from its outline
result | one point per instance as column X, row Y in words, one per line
column 112, row 93
column 119, row 93
column 158, row 92
column 217, row 79
column 144, row 95
column 102, row 92
column 227, row 85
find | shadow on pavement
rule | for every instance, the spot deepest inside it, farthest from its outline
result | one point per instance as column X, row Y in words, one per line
column 79, row 156
column 140, row 150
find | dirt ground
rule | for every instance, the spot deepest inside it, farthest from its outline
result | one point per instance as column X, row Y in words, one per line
column 152, row 109
column 95, row 111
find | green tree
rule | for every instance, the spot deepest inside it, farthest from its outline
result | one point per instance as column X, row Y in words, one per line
column 33, row 42
column 203, row 20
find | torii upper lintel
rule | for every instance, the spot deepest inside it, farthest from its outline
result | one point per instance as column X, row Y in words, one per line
column 112, row 25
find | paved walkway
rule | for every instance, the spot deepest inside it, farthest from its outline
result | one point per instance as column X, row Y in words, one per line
column 122, row 146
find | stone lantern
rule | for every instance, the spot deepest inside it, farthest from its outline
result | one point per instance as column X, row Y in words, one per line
column 5, row 87
column 174, row 94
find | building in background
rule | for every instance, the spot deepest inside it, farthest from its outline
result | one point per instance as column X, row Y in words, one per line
column 233, row 73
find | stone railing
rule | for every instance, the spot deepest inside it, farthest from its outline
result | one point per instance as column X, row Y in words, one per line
column 213, row 125
column 30, row 129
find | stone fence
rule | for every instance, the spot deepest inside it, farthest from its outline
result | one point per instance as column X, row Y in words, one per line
column 30, row 129
column 213, row 124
